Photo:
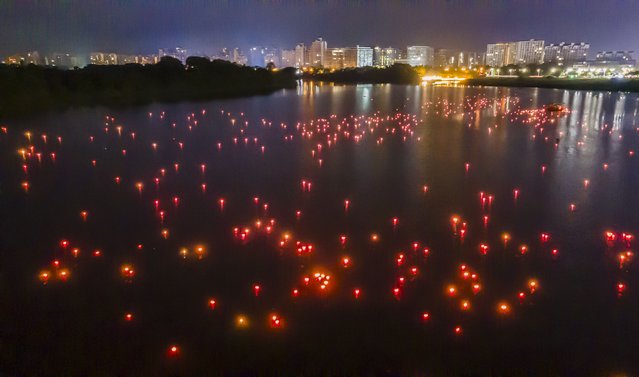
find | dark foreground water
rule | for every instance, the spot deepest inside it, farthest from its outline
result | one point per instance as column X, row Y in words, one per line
column 394, row 230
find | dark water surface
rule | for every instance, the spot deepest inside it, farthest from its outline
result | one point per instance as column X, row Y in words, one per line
column 387, row 143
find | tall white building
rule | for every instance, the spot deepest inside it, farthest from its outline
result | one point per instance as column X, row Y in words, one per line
column 239, row 57
column 520, row 53
column 300, row 55
column 566, row 53
column 497, row 54
column 529, row 52
column 384, row 57
column 420, row 55
column 317, row 54
column 363, row 56
column 288, row 58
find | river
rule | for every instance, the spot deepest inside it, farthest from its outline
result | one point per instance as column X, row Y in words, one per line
column 439, row 229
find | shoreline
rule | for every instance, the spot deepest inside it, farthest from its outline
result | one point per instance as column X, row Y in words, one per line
column 606, row 85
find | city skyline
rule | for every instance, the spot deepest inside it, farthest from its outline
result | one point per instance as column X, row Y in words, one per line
column 135, row 27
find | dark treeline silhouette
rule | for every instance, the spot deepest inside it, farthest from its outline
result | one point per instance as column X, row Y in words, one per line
column 609, row 85
column 395, row 74
column 32, row 89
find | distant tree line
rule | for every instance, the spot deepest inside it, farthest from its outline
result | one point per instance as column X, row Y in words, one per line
column 30, row 89
column 395, row 74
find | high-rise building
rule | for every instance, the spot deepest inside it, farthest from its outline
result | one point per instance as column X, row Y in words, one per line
column 497, row 54
column 384, row 57
column 148, row 59
column 616, row 57
column 62, row 60
column 348, row 57
column 239, row 57
column 317, row 54
column 522, row 52
column 566, row 53
column 103, row 58
column 272, row 55
column 443, row 57
column 529, row 52
column 222, row 54
column 357, row 56
column 288, row 58
column 456, row 58
column 364, row 56
column 256, row 57
column 32, row 57
column 335, row 58
column 129, row 59
column 301, row 59
column 14, row 59
column 420, row 55
column 178, row 53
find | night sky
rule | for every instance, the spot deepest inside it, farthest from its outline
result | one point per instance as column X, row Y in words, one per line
column 204, row 26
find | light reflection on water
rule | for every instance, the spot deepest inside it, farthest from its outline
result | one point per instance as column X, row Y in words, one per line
column 577, row 320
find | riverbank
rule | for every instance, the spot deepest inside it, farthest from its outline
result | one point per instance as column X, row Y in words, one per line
column 28, row 90
column 395, row 74
column 609, row 85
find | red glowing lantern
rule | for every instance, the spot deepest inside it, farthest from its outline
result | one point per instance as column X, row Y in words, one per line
column 503, row 308
column 44, row 277
column 173, row 351
column 621, row 288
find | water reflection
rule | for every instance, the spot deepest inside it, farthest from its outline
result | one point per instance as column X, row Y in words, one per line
column 533, row 194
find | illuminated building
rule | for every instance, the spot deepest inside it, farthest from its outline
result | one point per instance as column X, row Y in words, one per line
column 443, row 57
column 256, row 57
column 62, row 60
column 348, row 57
column 334, row 58
column 420, row 55
column 239, row 57
column 178, row 53
column 128, row 59
column 14, row 59
column 288, row 58
column 361, row 56
column 520, row 53
column 606, row 64
column 103, row 58
column 497, row 54
column 317, row 53
column 456, row 58
column 529, row 52
column 32, row 57
column 566, row 53
column 616, row 57
column 301, row 58
column 223, row 54
column 273, row 55
column 384, row 57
